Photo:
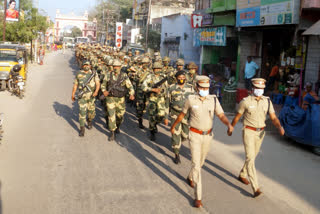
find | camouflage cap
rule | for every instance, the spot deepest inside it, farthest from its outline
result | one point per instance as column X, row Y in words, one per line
column 158, row 59
column 110, row 62
column 180, row 62
column 116, row 63
column 192, row 65
column 121, row 54
column 145, row 60
column 157, row 65
column 166, row 59
column 86, row 63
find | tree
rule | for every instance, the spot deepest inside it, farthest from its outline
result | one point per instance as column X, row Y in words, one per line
column 76, row 32
column 154, row 39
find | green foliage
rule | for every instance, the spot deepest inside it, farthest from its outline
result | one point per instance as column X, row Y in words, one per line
column 75, row 32
column 154, row 39
column 30, row 24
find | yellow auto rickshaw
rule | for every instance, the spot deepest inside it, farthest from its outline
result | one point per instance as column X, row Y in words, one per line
column 10, row 55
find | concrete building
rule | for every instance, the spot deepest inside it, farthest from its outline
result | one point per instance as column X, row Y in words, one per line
column 158, row 9
column 177, row 38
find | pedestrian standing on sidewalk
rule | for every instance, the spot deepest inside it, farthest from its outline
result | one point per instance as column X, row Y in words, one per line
column 250, row 71
column 64, row 47
column 202, row 107
column 41, row 54
column 254, row 109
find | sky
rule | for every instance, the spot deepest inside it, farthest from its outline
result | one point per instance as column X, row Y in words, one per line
column 65, row 6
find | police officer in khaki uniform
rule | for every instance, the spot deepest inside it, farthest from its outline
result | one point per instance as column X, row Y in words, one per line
column 202, row 107
column 254, row 109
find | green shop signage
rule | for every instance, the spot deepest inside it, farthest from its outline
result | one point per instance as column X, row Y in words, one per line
column 210, row 36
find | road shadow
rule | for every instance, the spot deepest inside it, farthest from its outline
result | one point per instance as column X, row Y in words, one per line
column 67, row 113
column 132, row 142
column 164, row 141
column 74, row 65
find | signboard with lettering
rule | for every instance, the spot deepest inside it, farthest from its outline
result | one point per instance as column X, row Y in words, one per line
column 201, row 20
column 210, row 36
column 265, row 12
column 119, row 36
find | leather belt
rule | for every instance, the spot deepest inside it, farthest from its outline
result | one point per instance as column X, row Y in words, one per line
column 200, row 132
column 254, row 129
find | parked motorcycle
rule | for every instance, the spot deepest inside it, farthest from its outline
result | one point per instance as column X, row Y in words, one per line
column 16, row 83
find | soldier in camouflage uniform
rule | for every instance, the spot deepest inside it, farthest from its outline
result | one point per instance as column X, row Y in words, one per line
column 140, row 94
column 86, row 102
column 158, row 108
column 192, row 74
column 115, row 86
column 178, row 93
column 172, row 75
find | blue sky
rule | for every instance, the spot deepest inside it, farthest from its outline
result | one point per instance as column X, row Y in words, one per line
column 66, row 6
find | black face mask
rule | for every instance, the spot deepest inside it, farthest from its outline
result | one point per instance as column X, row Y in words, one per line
column 181, row 82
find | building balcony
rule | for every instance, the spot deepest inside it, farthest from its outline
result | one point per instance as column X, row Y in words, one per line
column 222, row 6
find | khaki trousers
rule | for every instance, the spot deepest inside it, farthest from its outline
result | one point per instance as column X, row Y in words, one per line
column 199, row 147
column 252, row 141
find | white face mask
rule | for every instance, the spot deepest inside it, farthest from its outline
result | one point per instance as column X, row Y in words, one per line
column 258, row 92
column 203, row 93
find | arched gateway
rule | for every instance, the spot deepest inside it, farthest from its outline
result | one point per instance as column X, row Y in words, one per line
column 89, row 29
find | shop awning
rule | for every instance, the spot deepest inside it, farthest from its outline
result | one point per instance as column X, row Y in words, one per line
column 173, row 39
column 314, row 30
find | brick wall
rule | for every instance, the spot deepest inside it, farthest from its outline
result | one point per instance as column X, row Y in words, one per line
column 249, row 42
column 313, row 59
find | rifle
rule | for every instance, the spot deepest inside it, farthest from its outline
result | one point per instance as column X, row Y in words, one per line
column 158, row 84
column 102, row 97
column 85, row 86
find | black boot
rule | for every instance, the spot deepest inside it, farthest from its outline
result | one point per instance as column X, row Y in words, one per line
column 118, row 130
column 177, row 159
column 141, row 126
column 89, row 124
column 107, row 122
column 112, row 136
column 81, row 133
column 153, row 135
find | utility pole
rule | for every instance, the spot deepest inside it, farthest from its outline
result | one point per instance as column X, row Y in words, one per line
column 4, row 21
column 148, row 22
column 107, row 34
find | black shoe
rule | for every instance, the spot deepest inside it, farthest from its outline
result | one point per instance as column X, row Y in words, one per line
column 107, row 122
column 141, row 126
column 177, row 159
column 112, row 136
column 89, row 124
column 153, row 136
column 117, row 130
column 81, row 133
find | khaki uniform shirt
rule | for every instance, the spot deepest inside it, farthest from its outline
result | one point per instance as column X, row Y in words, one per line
column 202, row 112
column 254, row 111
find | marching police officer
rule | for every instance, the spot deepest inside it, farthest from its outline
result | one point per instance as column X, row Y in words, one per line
column 178, row 93
column 86, row 102
column 202, row 107
column 254, row 109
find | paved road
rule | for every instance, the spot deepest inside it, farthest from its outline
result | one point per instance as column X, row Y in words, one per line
column 46, row 168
